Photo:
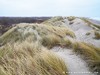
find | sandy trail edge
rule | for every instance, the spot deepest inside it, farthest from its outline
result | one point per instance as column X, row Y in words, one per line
column 75, row 64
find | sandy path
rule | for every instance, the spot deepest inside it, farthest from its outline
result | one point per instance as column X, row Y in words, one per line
column 75, row 64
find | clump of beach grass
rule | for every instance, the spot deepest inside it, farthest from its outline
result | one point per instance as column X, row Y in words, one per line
column 97, row 34
column 50, row 64
column 21, row 32
column 89, row 54
column 88, row 33
column 65, row 42
column 71, row 18
column 30, row 59
column 51, row 40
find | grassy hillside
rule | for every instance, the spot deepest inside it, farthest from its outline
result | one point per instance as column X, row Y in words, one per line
column 25, row 49
column 30, row 59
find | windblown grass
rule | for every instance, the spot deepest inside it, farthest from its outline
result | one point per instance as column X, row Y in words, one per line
column 23, row 53
column 16, row 34
column 51, row 40
column 89, row 53
column 33, row 31
column 93, row 47
column 30, row 59
column 66, row 43
column 10, row 36
column 89, row 23
column 60, row 31
column 50, row 64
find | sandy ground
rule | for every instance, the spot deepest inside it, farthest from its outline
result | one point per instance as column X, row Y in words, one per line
column 75, row 64
column 80, row 28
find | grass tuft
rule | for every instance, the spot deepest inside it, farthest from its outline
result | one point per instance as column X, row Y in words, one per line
column 50, row 64
column 30, row 59
column 71, row 18
column 97, row 35
column 89, row 53
column 51, row 40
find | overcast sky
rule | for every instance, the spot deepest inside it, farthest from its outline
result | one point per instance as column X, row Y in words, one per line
column 86, row 8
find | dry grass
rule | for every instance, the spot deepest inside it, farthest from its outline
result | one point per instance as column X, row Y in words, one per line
column 93, row 47
column 51, row 40
column 8, row 32
column 10, row 36
column 89, row 23
column 57, row 18
column 48, row 67
column 89, row 53
column 24, row 54
column 13, row 35
column 30, row 59
column 52, row 20
column 71, row 18
column 31, row 32
column 66, row 43
column 97, row 34
column 55, row 28
column 5, row 50
column 60, row 31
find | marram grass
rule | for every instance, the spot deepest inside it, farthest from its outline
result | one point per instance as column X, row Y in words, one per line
column 89, row 53
column 23, row 50
column 21, row 32
column 30, row 59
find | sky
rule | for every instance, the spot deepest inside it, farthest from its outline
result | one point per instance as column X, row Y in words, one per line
column 29, row 8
